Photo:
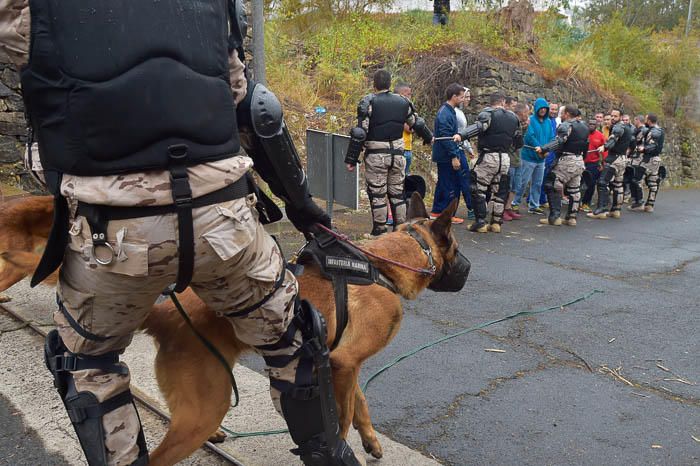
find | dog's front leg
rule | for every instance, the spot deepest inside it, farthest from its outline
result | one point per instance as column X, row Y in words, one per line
column 344, row 380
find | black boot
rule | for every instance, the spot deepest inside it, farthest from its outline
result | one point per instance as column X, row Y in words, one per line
column 603, row 201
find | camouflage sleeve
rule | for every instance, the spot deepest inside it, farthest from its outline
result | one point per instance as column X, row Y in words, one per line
column 239, row 83
column 14, row 30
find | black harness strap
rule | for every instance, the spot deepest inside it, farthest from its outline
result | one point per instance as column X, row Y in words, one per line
column 340, row 292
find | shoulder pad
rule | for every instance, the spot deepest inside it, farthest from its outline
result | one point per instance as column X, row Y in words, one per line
column 485, row 115
column 565, row 128
column 618, row 129
column 363, row 106
column 410, row 103
column 655, row 132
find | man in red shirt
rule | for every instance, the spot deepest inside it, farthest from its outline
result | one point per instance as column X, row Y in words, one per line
column 593, row 160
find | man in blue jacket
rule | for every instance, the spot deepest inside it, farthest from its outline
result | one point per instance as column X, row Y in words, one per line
column 447, row 153
column 539, row 132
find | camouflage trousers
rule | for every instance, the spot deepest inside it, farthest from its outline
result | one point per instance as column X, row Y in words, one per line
column 651, row 178
column 236, row 265
column 567, row 172
column 385, row 175
column 490, row 184
column 614, row 174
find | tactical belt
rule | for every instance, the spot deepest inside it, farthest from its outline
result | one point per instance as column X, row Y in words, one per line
column 99, row 216
column 387, row 151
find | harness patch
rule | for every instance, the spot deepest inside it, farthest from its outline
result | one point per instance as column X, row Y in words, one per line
column 344, row 263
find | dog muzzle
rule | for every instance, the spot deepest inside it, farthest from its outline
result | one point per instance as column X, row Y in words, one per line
column 453, row 275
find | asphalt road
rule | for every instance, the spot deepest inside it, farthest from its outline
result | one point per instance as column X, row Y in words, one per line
column 549, row 399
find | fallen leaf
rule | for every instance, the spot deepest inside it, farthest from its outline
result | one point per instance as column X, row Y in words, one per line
column 601, row 237
column 611, row 340
column 657, row 446
column 494, row 350
column 695, row 438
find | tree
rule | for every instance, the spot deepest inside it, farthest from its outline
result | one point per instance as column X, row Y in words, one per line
column 656, row 14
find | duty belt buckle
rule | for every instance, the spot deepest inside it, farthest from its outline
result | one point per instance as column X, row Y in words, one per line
column 98, row 239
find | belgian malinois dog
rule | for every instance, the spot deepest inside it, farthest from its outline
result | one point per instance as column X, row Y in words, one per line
column 197, row 409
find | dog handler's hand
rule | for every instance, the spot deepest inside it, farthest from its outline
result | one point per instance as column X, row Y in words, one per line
column 455, row 164
column 305, row 216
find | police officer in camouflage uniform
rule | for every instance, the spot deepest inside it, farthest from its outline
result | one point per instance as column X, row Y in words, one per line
column 633, row 174
column 617, row 146
column 649, row 148
column 379, row 131
column 569, row 146
column 138, row 134
column 498, row 130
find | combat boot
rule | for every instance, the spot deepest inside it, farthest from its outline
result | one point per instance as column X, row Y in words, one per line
column 479, row 226
column 551, row 221
column 495, row 228
column 648, row 208
column 636, row 207
column 598, row 213
column 570, row 222
column 614, row 214
column 378, row 229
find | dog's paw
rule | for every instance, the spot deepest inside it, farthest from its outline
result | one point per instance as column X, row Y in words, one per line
column 4, row 298
column 373, row 447
column 217, row 437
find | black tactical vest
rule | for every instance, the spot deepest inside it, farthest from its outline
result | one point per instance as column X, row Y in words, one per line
column 389, row 113
column 620, row 147
column 577, row 142
column 114, row 86
column 499, row 136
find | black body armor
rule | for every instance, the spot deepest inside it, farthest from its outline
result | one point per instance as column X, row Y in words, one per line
column 502, row 132
column 619, row 141
column 577, row 142
column 114, row 86
column 389, row 113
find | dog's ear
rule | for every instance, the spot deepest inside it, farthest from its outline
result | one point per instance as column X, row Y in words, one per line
column 416, row 207
column 441, row 227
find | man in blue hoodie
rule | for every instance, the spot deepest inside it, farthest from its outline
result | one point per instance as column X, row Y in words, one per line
column 539, row 132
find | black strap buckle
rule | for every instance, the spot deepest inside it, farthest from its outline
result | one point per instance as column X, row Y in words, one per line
column 65, row 363
column 179, row 179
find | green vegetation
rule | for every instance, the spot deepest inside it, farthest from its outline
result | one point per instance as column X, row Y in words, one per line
column 318, row 58
column 649, row 69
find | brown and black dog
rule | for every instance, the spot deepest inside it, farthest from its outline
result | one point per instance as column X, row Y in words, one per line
column 197, row 409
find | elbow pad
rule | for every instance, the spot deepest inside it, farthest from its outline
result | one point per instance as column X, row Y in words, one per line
column 357, row 142
column 422, row 130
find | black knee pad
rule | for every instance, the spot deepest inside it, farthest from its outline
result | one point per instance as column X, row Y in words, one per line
column 606, row 177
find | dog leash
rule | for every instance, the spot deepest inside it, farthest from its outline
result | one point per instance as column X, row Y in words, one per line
column 346, row 239
column 170, row 292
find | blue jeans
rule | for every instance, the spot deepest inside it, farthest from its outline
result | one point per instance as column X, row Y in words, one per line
column 533, row 173
column 448, row 186
column 514, row 174
column 594, row 170
column 465, row 180
column 548, row 162
column 408, row 155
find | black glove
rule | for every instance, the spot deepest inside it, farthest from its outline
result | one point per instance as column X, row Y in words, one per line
column 305, row 216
